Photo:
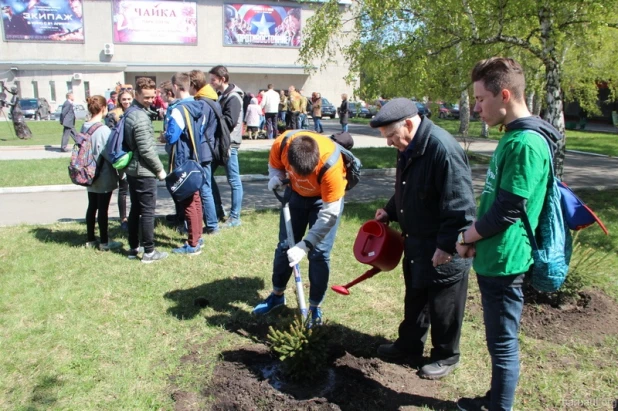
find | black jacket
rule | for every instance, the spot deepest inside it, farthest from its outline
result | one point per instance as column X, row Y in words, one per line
column 433, row 202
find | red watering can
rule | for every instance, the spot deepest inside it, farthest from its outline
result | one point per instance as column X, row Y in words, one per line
column 377, row 245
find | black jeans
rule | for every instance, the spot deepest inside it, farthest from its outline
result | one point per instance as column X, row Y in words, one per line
column 97, row 202
column 123, row 190
column 143, row 191
column 442, row 307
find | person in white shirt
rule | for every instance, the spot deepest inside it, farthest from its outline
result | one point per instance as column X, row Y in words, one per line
column 270, row 105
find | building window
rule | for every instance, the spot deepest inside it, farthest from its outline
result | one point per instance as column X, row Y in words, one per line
column 69, row 86
column 35, row 88
column 87, row 88
column 52, row 88
column 18, row 88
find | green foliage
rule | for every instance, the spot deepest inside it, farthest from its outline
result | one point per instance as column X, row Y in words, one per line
column 302, row 350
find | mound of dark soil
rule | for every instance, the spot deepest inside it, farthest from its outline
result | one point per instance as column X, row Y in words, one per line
column 592, row 318
column 247, row 379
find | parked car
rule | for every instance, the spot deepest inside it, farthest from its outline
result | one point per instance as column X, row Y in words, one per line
column 356, row 110
column 328, row 110
column 35, row 109
column 81, row 113
column 423, row 110
column 448, row 110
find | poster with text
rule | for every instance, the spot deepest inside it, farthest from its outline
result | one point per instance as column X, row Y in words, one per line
column 155, row 22
column 261, row 25
column 43, row 20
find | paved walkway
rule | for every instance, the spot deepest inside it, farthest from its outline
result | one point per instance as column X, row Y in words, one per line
column 68, row 203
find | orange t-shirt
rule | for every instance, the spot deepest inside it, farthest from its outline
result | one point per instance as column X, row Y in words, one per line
column 333, row 183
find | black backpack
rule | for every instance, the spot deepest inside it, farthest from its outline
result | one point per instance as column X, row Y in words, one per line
column 351, row 163
column 223, row 140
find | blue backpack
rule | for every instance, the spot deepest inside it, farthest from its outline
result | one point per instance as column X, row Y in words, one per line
column 552, row 245
column 117, row 150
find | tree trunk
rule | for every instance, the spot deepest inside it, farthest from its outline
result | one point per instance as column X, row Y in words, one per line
column 464, row 113
column 553, row 94
column 536, row 107
column 530, row 101
column 484, row 129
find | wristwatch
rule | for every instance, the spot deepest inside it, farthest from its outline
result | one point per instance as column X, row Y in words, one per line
column 461, row 239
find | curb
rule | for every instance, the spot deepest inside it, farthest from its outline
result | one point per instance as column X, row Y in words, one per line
column 219, row 179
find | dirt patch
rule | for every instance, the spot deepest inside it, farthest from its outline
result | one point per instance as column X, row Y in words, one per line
column 248, row 379
column 591, row 319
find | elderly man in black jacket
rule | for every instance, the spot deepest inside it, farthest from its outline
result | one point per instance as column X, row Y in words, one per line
column 67, row 119
column 433, row 202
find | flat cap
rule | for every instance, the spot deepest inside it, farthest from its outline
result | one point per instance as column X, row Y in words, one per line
column 395, row 110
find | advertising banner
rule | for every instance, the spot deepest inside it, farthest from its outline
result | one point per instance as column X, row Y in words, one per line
column 261, row 25
column 155, row 22
column 43, row 20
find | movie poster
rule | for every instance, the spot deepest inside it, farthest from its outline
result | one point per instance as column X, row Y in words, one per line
column 155, row 22
column 261, row 25
column 43, row 20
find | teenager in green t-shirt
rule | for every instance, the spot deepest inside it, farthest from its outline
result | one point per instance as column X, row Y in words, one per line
column 516, row 183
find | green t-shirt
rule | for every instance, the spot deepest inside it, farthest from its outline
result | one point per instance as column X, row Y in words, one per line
column 520, row 165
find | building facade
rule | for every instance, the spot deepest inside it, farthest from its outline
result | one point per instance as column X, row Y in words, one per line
column 90, row 46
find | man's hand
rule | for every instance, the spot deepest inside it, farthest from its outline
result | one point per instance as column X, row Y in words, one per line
column 466, row 251
column 161, row 175
column 274, row 183
column 382, row 216
column 297, row 253
column 441, row 257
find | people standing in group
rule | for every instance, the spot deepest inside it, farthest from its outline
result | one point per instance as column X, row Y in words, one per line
column 515, row 186
column 100, row 192
column 270, row 105
column 293, row 108
column 433, row 203
column 230, row 99
column 283, row 106
column 252, row 118
column 183, row 134
column 316, row 112
column 124, row 101
column 344, row 113
column 201, row 90
column 314, row 205
column 142, row 172
column 67, row 119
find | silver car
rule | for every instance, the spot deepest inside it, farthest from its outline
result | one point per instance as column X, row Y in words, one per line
column 81, row 113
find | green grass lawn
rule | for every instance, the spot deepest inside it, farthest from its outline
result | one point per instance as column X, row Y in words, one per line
column 22, row 173
column 85, row 330
column 599, row 143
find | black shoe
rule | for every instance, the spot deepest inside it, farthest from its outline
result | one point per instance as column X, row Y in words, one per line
column 474, row 404
column 391, row 352
column 436, row 370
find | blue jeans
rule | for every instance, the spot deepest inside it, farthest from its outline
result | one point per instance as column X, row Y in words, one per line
column 344, row 128
column 209, row 212
column 232, row 171
column 304, row 212
column 317, row 125
column 503, row 301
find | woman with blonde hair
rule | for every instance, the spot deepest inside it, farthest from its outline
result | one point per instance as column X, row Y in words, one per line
column 100, row 192
column 125, row 99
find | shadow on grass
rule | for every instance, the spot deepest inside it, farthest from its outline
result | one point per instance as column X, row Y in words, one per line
column 43, row 393
column 72, row 238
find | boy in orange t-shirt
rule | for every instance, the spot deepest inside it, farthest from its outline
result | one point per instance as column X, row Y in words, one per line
column 300, row 156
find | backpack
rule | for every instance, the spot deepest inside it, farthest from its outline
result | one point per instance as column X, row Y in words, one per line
column 351, row 163
column 117, row 149
column 552, row 245
column 83, row 167
column 223, row 139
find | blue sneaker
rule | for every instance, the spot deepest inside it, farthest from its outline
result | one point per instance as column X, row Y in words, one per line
column 200, row 243
column 188, row 250
column 316, row 317
column 266, row 306
column 232, row 222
